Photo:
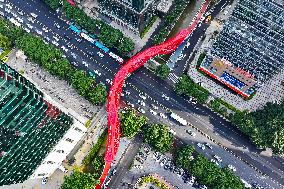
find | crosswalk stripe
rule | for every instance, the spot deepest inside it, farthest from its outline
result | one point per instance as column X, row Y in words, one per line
column 173, row 77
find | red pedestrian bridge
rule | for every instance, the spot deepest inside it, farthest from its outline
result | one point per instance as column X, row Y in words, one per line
column 116, row 88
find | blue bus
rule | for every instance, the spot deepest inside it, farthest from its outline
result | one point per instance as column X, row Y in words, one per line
column 102, row 47
column 75, row 29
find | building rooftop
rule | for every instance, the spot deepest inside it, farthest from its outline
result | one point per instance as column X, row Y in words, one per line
column 29, row 127
column 252, row 38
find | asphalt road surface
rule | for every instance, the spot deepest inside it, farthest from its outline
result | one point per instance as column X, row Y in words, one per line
column 143, row 81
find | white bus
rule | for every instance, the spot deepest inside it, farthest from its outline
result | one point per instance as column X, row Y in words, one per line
column 178, row 119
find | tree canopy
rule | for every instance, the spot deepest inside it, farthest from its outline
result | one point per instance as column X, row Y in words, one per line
column 79, row 180
column 131, row 123
column 182, row 156
column 163, row 71
column 159, row 137
column 185, row 86
column 264, row 126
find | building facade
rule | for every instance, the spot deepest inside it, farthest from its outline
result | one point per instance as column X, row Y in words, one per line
column 250, row 49
column 135, row 14
column 30, row 129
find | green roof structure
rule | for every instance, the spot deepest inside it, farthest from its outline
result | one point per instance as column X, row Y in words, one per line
column 29, row 127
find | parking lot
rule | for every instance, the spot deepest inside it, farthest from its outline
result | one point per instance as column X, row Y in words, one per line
column 147, row 162
column 59, row 90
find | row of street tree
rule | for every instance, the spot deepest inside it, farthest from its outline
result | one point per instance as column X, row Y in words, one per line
column 156, row 135
column 109, row 36
column 51, row 59
column 206, row 172
column 186, row 86
column 265, row 126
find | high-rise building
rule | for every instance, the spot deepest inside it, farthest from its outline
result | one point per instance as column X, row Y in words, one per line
column 249, row 50
column 30, row 128
column 135, row 14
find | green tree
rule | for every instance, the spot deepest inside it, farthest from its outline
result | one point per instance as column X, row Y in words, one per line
column 5, row 42
column 79, row 180
column 54, row 4
column 131, row 123
column 159, row 137
column 163, row 71
column 82, row 82
column 98, row 165
column 125, row 46
column 98, row 95
column 182, row 156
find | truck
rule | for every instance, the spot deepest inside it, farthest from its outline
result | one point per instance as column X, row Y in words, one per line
column 178, row 118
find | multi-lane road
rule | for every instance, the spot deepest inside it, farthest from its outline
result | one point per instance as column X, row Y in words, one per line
column 145, row 82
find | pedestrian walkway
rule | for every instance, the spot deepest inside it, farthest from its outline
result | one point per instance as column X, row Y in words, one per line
column 173, row 77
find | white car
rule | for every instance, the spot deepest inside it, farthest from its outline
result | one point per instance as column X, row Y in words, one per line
column 73, row 55
column 31, row 19
column 85, row 64
column 64, row 48
column 7, row 10
column 127, row 92
column 30, row 26
column 44, row 29
column 219, row 159
column 190, row 132
column 232, row 167
column 138, row 166
column 208, row 145
column 100, row 54
column 172, row 131
column 97, row 72
column 54, row 37
column 108, row 81
column 39, row 32
column 141, row 110
column 153, row 112
column 201, row 146
column 44, row 180
column 55, row 43
column 141, row 103
column 162, row 115
column 21, row 13
column 63, row 169
column 27, row 30
column 34, row 15
column 142, row 96
column 166, row 97
column 154, row 107
column 20, row 20
column 214, row 161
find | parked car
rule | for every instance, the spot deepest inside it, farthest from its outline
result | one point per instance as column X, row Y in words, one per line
column 44, row 180
column 63, row 169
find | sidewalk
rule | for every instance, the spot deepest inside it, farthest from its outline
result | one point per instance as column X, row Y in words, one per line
column 91, row 6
